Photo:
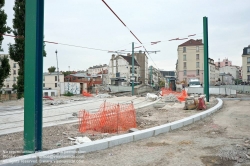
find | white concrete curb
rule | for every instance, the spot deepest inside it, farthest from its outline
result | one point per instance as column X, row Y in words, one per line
column 67, row 152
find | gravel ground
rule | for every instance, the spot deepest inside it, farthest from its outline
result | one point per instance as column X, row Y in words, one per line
column 222, row 139
column 57, row 136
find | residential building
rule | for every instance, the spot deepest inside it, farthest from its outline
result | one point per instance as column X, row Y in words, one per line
column 190, row 61
column 142, row 60
column 153, row 76
column 246, row 64
column 225, row 62
column 13, row 75
column 86, row 81
column 212, row 75
column 97, row 69
column 226, row 79
column 217, row 75
column 50, row 81
column 233, row 70
column 120, row 70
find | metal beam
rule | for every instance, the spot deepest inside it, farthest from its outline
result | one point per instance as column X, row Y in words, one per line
column 33, row 77
column 206, row 65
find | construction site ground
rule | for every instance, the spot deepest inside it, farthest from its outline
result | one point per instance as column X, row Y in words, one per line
column 57, row 136
column 222, row 139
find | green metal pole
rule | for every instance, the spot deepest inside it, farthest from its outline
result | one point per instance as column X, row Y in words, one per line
column 133, row 69
column 206, row 67
column 33, row 76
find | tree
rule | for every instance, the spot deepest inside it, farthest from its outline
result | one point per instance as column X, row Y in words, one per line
column 16, row 50
column 3, row 27
column 52, row 69
column 4, row 69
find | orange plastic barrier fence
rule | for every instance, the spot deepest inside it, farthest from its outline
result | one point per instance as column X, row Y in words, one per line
column 109, row 119
column 86, row 94
column 181, row 96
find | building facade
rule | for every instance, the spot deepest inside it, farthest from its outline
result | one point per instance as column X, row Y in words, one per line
column 50, row 81
column 225, row 62
column 233, row 70
column 212, row 72
column 142, row 60
column 97, row 69
column 120, row 70
column 246, row 64
column 190, row 61
column 13, row 75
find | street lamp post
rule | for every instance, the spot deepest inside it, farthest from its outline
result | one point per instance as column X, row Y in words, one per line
column 58, row 80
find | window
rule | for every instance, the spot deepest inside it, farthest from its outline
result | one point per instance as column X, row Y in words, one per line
column 55, row 84
column 248, row 78
column 185, row 64
column 43, row 78
column 197, row 48
column 248, row 59
column 197, row 57
column 14, row 65
column 184, row 49
column 185, row 72
column 226, row 63
column 14, row 72
column 197, row 72
column 55, row 78
column 43, row 84
column 248, row 68
column 14, row 78
column 184, row 57
column 197, row 64
column 248, row 51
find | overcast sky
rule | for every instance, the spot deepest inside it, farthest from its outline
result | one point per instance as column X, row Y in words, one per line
column 89, row 23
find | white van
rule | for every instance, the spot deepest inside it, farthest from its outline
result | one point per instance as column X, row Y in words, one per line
column 193, row 83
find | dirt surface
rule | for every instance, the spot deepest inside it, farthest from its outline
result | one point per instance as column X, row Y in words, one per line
column 57, row 136
column 222, row 139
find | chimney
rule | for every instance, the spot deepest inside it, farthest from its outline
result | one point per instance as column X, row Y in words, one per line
column 128, row 54
column 113, row 56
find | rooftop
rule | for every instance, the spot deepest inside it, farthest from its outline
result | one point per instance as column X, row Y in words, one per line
column 129, row 60
column 54, row 73
column 192, row 42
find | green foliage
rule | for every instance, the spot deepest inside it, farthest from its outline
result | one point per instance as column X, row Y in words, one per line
column 65, row 73
column 4, row 69
column 162, row 84
column 52, row 69
column 3, row 27
column 16, row 50
column 68, row 94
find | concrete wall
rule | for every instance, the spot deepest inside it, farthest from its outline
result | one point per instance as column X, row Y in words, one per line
column 213, row 90
column 72, row 87
column 143, row 88
column 120, row 88
column 50, row 93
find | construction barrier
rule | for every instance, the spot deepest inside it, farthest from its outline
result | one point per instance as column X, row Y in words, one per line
column 181, row 96
column 86, row 94
column 110, row 118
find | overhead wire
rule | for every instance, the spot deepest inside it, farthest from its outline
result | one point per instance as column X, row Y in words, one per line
column 129, row 30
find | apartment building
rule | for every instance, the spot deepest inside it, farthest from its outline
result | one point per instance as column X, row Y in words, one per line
column 212, row 73
column 50, row 81
column 120, row 70
column 190, row 61
column 246, row 64
column 142, row 60
column 233, row 70
column 12, row 78
column 224, row 62
column 97, row 69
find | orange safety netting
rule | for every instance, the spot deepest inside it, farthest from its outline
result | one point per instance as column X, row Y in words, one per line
column 181, row 96
column 109, row 119
column 86, row 94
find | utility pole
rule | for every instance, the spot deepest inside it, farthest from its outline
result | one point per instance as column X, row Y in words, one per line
column 151, row 67
column 206, row 67
column 133, row 69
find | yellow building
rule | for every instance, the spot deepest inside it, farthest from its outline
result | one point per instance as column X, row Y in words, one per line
column 246, row 64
